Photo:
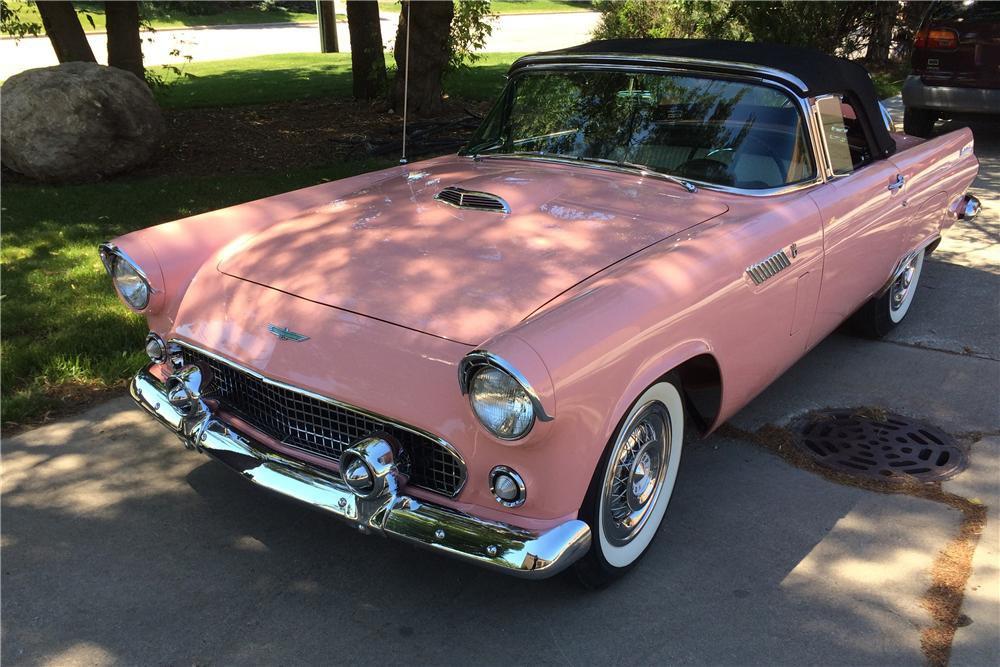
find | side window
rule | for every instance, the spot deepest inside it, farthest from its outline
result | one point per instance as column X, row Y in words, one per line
column 845, row 137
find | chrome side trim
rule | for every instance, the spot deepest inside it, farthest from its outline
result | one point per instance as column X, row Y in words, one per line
column 768, row 268
column 326, row 399
column 498, row 546
column 478, row 358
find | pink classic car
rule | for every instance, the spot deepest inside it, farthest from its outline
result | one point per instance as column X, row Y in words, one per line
column 498, row 354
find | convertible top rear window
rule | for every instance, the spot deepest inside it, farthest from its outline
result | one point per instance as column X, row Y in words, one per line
column 715, row 131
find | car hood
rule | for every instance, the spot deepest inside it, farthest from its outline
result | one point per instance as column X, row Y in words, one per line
column 392, row 252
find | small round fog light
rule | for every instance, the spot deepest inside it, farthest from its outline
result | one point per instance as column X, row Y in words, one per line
column 507, row 486
column 156, row 349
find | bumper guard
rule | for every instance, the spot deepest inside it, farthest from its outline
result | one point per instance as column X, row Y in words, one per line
column 495, row 545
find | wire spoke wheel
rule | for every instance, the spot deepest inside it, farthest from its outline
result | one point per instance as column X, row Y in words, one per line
column 902, row 290
column 635, row 476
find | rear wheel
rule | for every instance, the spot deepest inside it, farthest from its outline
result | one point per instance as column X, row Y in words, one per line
column 919, row 122
column 630, row 493
column 883, row 312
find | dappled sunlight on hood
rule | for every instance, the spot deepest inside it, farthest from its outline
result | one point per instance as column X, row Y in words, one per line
column 391, row 251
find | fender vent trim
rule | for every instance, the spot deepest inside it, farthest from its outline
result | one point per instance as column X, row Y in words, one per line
column 468, row 199
column 769, row 267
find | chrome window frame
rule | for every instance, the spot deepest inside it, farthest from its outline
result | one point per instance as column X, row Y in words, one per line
column 830, row 174
column 787, row 83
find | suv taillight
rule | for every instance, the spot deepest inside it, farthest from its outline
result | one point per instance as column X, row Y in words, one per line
column 936, row 38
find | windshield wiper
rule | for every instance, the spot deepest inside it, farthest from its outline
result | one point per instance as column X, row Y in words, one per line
column 687, row 185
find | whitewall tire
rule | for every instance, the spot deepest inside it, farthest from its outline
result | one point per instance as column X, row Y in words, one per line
column 633, row 485
column 884, row 311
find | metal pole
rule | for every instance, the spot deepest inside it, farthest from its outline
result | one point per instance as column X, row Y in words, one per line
column 326, row 14
column 406, row 79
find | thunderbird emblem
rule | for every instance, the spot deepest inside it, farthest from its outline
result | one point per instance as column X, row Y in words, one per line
column 286, row 334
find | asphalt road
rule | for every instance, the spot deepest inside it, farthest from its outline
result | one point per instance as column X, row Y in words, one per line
column 120, row 547
column 511, row 32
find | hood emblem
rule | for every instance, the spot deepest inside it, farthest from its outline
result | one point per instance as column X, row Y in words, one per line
column 286, row 334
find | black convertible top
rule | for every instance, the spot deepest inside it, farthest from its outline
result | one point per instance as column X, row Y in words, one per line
column 818, row 72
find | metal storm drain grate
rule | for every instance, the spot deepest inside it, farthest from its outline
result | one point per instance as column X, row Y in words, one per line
column 879, row 444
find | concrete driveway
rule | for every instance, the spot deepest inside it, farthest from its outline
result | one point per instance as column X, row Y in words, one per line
column 511, row 32
column 121, row 547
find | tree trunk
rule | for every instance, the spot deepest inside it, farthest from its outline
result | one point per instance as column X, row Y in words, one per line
column 326, row 14
column 429, row 53
column 367, row 54
column 883, row 20
column 65, row 32
column 124, row 42
column 913, row 14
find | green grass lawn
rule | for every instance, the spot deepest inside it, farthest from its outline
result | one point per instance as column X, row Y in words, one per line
column 277, row 78
column 516, row 6
column 164, row 16
column 65, row 333
column 63, row 327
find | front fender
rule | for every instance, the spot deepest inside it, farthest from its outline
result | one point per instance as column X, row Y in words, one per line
column 648, row 373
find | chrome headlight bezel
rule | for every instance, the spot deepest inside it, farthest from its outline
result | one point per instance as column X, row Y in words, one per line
column 517, row 414
column 114, row 258
column 477, row 361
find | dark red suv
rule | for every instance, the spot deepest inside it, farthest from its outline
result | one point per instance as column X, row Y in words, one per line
column 956, row 65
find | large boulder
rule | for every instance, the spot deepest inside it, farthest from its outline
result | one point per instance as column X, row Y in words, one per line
column 77, row 122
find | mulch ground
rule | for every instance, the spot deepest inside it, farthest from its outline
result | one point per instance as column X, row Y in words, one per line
column 292, row 135
column 304, row 133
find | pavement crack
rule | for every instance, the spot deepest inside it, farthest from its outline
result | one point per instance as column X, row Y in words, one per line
column 968, row 352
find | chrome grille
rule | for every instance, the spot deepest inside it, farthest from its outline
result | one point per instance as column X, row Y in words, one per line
column 324, row 428
column 482, row 201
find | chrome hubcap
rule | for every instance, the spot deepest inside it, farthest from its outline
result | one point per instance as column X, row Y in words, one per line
column 635, row 475
column 901, row 287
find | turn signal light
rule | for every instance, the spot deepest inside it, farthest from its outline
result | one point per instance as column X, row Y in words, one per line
column 936, row 38
column 507, row 486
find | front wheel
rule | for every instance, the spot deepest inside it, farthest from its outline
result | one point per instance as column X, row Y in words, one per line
column 882, row 313
column 629, row 496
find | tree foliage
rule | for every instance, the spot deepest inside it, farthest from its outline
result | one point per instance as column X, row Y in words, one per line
column 668, row 18
column 12, row 24
column 879, row 31
column 470, row 27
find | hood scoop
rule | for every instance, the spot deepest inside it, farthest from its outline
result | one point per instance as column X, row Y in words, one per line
column 479, row 201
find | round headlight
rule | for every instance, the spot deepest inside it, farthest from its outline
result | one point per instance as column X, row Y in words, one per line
column 130, row 283
column 501, row 403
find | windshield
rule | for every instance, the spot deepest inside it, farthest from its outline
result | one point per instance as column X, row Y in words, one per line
column 714, row 131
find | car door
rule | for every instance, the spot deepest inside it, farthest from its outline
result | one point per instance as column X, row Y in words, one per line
column 864, row 212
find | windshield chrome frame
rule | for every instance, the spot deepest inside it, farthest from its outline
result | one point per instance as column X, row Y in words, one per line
column 783, row 81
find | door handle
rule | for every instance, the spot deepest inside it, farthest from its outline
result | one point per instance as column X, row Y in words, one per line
column 898, row 183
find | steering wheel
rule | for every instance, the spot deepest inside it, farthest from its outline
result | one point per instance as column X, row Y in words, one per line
column 767, row 150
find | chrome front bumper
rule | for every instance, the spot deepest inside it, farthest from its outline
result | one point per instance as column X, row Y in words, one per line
column 498, row 546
